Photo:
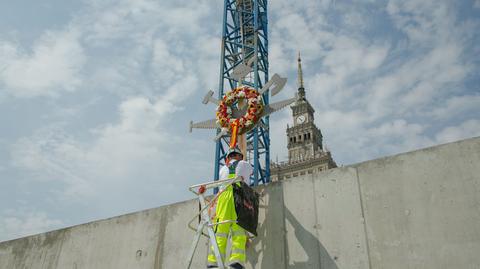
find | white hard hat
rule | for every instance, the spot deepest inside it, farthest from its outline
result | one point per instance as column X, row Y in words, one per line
column 234, row 150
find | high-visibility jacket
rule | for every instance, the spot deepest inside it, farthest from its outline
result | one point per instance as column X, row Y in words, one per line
column 225, row 204
column 226, row 211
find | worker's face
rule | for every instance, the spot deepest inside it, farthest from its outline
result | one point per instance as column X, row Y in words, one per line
column 237, row 157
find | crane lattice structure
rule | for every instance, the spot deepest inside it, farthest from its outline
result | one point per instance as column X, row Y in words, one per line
column 245, row 41
column 244, row 62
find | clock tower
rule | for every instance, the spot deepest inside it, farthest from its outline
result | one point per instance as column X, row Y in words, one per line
column 304, row 138
column 306, row 154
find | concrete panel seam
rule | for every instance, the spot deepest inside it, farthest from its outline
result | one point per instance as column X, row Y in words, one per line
column 285, row 253
column 316, row 220
column 160, row 243
column 59, row 251
column 360, row 195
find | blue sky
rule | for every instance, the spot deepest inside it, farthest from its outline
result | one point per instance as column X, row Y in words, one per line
column 96, row 95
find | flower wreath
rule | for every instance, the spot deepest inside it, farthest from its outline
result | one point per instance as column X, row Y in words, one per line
column 246, row 122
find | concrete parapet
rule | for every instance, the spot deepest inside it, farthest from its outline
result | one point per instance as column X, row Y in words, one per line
column 422, row 209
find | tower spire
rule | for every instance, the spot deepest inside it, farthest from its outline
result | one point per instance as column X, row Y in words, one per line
column 300, row 72
column 301, row 89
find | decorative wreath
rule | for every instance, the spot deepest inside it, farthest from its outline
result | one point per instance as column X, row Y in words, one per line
column 246, row 122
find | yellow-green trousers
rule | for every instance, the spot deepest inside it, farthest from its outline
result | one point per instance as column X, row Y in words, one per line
column 226, row 211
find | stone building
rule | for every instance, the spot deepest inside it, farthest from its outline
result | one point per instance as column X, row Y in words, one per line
column 305, row 141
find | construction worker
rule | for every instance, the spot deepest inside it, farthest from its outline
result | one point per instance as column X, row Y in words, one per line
column 235, row 167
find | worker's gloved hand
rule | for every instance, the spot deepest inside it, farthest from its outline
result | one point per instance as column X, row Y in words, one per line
column 249, row 243
column 262, row 193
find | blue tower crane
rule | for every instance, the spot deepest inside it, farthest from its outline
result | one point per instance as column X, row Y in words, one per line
column 245, row 40
column 244, row 61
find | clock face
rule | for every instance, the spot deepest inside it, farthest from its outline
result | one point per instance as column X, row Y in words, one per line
column 301, row 119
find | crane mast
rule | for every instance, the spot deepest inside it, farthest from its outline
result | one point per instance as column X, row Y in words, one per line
column 245, row 42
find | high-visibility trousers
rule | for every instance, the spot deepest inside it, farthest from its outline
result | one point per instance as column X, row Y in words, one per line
column 226, row 211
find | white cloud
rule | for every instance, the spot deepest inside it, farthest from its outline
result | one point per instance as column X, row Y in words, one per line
column 168, row 66
column 457, row 105
column 417, row 84
column 152, row 44
column 50, row 155
column 54, row 65
column 396, row 136
column 120, row 38
column 106, row 21
column 467, row 129
column 19, row 223
column 278, row 137
column 139, row 144
column 423, row 21
column 476, row 4
column 349, row 55
column 348, row 133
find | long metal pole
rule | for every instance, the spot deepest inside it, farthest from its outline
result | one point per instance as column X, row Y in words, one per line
column 220, row 94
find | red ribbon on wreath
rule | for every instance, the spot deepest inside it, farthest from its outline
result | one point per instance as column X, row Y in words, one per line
column 233, row 139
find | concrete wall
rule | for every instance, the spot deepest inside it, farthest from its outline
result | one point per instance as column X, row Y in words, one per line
column 422, row 209
column 415, row 210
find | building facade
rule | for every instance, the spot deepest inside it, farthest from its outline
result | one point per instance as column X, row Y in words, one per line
column 306, row 153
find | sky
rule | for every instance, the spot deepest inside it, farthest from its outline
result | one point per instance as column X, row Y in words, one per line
column 96, row 95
